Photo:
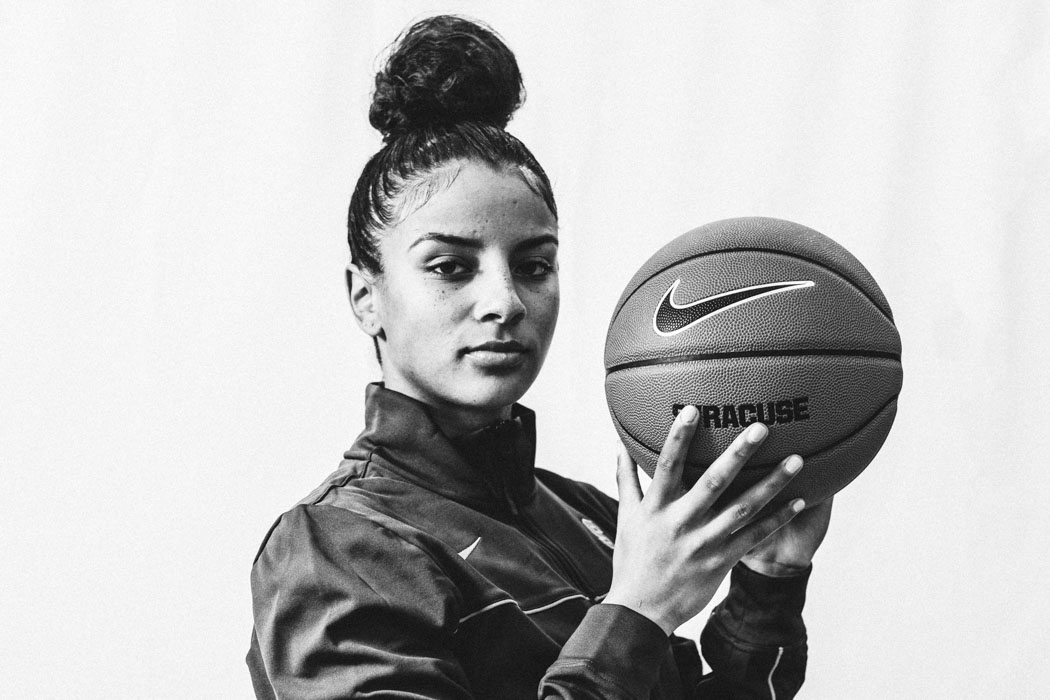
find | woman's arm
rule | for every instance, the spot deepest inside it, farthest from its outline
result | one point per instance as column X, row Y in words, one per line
column 673, row 549
column 326, row 626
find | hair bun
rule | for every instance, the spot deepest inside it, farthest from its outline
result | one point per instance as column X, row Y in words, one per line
column 445, row 70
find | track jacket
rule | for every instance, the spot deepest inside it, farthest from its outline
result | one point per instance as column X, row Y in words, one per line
column 431, row 568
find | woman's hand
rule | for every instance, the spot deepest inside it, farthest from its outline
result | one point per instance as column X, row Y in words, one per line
column 672, row 547
column 789, row 550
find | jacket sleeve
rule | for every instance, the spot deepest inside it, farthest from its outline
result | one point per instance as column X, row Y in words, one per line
column 614, row 654
column 755, row 639
column 755, row 643
column 344, row 608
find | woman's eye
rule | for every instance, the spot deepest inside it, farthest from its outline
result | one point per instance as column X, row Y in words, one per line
column 536, row 268
column 447, row 268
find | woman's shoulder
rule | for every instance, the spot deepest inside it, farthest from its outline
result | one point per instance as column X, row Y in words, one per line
column 369, row 536
column 352, row 541
column 364, row 510
column 345, row 511
column 354, row 564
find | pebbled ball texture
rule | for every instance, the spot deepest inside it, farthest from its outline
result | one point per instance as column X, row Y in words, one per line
column 828, row 343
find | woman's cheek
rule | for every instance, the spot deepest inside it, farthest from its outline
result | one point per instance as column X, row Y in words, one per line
column 552, row 302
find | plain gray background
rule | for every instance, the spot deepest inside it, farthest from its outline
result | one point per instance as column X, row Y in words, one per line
column 178, row 363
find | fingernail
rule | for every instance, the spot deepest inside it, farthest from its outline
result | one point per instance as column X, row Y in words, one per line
column 793, row 464
column 797, row 505
column 757, row 433
column 688, row 414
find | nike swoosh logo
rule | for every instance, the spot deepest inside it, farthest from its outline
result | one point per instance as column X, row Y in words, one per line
column 470, row 548
column 671, row 317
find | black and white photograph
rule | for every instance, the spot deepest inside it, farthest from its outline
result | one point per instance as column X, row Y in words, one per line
column 498, row 350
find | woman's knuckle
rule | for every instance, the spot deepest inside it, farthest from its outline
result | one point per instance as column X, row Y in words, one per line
column 714, row 561
column 713, row 482
column 664, row 463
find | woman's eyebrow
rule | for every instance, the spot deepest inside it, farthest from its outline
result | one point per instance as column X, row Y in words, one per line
column 474, row 243
column 448, row 238
column 536, row 242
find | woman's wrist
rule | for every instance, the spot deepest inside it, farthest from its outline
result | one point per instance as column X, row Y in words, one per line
column 775, row 569
column 640, row 607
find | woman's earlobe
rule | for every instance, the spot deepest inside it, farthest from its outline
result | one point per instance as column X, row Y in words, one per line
column 363, row 300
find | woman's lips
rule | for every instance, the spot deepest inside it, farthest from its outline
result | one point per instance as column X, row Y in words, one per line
column 497, row 354
column 499, row 346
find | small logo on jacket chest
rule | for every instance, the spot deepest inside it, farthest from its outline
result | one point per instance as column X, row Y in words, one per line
column 597, row 532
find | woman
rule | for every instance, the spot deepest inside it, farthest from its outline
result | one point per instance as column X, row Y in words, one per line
column 437, row 561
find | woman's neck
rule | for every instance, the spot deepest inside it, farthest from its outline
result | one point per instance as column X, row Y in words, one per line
column 455, row 420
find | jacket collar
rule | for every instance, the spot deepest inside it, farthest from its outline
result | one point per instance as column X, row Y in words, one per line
column 488, row 467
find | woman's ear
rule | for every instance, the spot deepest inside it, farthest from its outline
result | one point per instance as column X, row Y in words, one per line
column 364, row 300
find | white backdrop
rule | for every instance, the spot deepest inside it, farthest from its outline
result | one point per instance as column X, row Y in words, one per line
column 178, row 363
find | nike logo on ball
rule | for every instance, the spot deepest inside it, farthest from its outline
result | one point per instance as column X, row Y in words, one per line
column 672, row 318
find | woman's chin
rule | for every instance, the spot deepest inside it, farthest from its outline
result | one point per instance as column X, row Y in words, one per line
column 494, row 392
column 479, row 395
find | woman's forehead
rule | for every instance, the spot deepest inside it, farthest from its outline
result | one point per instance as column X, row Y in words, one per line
column 480, row 203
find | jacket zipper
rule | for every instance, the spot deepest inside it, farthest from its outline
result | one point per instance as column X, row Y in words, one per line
column 531, row 529
column 561, row 559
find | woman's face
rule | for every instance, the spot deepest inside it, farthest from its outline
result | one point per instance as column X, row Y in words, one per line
column 468, row 297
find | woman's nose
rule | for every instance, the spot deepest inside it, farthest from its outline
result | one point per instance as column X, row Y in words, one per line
column 499, row 299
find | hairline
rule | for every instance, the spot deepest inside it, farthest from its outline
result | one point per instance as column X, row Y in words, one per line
column 439, row 179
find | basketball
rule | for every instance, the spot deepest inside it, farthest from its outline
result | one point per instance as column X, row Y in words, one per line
column 756, row 319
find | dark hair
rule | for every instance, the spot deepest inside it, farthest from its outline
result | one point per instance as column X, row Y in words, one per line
column 447, row 91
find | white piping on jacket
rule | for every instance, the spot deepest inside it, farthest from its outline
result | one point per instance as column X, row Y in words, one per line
column 769, row 680
column 486, row 609
column 532, row 611
column 551, row 605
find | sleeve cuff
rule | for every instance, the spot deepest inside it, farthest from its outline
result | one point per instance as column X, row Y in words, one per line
column 623, row 648
column 763, row 610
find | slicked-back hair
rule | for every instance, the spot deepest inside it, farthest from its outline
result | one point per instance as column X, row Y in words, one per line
column 411, row 159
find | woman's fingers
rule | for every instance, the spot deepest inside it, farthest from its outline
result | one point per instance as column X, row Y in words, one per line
column 742, row 510
column 627, row 478
column 723, row 470
column 748, row 538
column 667, row 479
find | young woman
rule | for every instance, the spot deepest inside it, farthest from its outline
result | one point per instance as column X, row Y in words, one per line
column 438, row 561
